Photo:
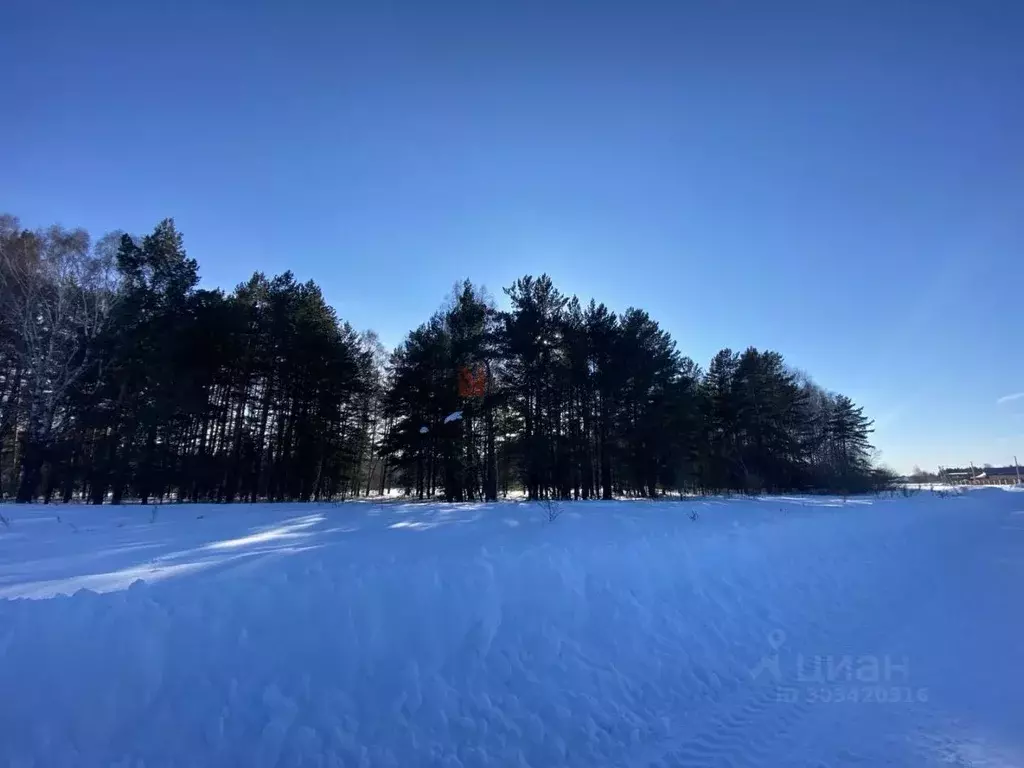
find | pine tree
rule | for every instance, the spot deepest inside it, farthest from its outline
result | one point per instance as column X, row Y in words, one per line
column 848, row 431
column 164, row 391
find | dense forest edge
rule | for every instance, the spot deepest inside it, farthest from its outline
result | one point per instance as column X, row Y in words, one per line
column 121, row 380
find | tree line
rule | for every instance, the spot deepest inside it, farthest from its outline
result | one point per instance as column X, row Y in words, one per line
column 121, row 379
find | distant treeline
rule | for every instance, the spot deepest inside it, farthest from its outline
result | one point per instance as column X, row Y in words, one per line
column 120, row 379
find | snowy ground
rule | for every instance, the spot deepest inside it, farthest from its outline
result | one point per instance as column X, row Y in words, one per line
column 772, row 632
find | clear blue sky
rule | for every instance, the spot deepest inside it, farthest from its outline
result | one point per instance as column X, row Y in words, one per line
column 841, row 180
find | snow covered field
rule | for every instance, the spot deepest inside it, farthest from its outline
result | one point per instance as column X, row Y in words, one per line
column 771, row 632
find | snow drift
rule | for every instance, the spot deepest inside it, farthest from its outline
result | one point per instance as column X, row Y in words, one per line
column 624, row 633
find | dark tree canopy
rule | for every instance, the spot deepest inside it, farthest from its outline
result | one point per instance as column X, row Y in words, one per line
column 161, row 390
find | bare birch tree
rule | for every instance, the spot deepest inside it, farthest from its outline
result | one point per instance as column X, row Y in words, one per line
column 57, row 294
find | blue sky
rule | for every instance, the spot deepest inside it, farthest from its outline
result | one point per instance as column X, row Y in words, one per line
column 841, row 181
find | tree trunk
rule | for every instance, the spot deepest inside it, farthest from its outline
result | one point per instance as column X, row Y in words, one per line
column 491, row 469
column 32, row 458
column 606, row 465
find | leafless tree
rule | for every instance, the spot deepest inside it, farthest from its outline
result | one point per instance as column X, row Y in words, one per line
column 372, row 416
column 57, row 292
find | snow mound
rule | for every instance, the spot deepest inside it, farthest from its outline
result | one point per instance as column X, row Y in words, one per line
column 775, row 631
column 456, row 416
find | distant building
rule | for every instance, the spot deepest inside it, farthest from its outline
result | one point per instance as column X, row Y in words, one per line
column 955, row 476
column 995, row 476
column 971, row 475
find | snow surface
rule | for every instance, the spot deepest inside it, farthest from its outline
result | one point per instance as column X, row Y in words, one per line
column 770, row 632
column 453, row 416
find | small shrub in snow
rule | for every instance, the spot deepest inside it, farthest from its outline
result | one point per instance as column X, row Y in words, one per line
column 153, row 514
column 694, row 515
column 5, row 521
column 551, row 509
